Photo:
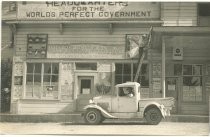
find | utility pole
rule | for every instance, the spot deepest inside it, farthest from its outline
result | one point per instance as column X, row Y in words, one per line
column 143, row 47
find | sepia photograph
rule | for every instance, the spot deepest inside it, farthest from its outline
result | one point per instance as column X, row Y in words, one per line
column 105, row 68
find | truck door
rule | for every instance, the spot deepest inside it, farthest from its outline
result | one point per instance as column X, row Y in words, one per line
column 127, row 100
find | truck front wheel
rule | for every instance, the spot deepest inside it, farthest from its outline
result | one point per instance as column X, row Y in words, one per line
column 92, row 116
column 153, row 116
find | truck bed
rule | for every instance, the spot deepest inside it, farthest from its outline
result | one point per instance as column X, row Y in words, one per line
column 167, row 102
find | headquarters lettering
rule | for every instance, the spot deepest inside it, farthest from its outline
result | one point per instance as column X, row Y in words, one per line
column 68, row 3
column 102, row 14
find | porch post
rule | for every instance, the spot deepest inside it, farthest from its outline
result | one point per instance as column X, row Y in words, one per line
column 163, row 67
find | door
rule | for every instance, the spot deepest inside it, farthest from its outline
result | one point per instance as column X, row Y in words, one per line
column 172, row 91
column 85, row 91
column 127, row 100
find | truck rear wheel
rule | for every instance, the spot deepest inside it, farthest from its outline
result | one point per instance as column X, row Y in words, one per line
column 92, row 116
column 153, row 116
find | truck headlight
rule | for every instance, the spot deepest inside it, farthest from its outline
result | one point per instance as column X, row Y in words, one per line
column 90, row 101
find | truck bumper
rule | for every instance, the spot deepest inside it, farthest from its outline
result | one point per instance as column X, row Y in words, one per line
column 165, row 112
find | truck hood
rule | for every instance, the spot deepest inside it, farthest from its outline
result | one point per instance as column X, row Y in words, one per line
column 103, row 101
column 103, row 98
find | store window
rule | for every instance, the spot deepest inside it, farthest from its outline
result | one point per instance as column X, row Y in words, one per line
column 192, row 83
column 204, row 14
column 42, row 80
column 125, row 72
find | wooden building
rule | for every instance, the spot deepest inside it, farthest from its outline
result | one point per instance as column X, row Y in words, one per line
column 68, row 52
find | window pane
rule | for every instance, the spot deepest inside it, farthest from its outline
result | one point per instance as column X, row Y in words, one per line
column 54, row 78
column 29, row 79
column 118, row 68
column 144, row 69
column 126, row 78
column 55, row 68
column 144, row 81
column 192, row 81
column 127, row 69
column 37, row 78
column 197, row 70
column 30, row 67
column 47, row 68
column 38, row 67
column 118, row 79
column 47, row 78
column 187, row 70
column 177, row 69
column 204, row 9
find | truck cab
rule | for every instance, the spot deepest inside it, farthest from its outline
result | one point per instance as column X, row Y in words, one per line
column 126, row 103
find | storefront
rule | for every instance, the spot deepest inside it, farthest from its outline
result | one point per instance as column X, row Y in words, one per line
column 185, row 53
column 63, row 59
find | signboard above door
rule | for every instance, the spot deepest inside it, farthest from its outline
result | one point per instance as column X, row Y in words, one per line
column 66, row 10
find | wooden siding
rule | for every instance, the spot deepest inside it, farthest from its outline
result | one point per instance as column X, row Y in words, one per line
column 37, row 107
column 6, row 50
column 179, row 14
column 92, row 33
column 5, row 35
column 201, row 109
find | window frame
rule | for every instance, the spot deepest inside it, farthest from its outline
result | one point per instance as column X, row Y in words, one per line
column 202, row 83
column 132, row 74
column 41, row 97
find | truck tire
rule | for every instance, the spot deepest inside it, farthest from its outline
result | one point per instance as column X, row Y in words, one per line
column 153, row 116
column 92, row 116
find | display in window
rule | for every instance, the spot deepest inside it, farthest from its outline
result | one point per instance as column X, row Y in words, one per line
column 156, row 69
column 37, row 45
column 18, row 69
column 42, row 84
column 17, row 92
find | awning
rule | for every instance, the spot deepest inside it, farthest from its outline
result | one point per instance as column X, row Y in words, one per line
column 159, row 32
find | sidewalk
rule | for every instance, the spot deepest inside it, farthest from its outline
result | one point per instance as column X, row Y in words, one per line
column 77, row 118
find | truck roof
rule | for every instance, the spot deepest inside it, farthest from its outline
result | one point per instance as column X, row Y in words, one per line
column 128, row 84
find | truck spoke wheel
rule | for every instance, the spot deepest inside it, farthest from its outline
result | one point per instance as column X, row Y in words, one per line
column 153, row 116
column 93, row 116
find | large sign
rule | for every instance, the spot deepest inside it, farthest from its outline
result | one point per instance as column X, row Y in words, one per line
column 65, row 10
column 88, row 50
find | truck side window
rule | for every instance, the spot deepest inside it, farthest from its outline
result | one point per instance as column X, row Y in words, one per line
column 126, row 91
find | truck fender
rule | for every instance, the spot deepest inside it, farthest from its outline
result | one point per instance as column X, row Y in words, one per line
column 103, row 112
column 160, row 107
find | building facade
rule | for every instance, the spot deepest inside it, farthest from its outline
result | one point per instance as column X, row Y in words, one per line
column 68, row 52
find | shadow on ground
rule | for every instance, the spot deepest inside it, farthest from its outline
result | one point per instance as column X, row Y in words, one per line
column 107, row 123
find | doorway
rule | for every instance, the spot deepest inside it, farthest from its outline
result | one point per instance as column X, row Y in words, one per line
column 85, row 91
column 172, row 91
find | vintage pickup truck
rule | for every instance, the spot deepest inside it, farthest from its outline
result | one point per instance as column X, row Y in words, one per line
column 126, row 103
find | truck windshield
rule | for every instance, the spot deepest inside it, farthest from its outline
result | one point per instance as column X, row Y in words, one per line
column 126, row 91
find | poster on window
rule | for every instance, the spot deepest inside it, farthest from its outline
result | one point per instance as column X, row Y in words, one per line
column 156, row 69
column 67, row 78
column 86, row 91
column 156, row 84
column 17, row 92
column 18, row 69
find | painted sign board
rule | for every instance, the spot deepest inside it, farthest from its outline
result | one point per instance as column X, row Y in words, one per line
column 90, row 51
column 73, row 10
